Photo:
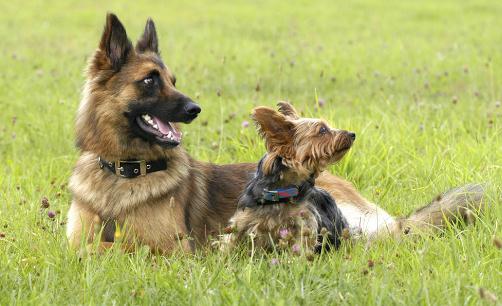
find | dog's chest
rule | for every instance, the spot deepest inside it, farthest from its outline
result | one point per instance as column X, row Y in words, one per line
column 281, row 213
column 271, row 218
column 111, row 196
column 275, row 224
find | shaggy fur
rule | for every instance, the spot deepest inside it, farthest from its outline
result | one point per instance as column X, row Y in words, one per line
column 298, row 150
column 190, row 198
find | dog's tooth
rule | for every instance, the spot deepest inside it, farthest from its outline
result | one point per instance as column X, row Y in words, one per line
column 150, row 121
column 147, row 117
column 155, row 126
column 170, row 135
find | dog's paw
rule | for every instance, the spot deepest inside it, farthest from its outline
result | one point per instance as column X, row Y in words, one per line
column 93, row 249
column 225, row 243
column 86, row 251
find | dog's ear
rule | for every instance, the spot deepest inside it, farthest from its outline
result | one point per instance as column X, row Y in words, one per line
column 148, row 41
column 287, row 109
column 274, row 127
column 114, row 42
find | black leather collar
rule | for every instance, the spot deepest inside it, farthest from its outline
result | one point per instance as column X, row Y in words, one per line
column 133, row 168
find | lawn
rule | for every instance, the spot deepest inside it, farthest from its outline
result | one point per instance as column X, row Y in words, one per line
column 418, row 81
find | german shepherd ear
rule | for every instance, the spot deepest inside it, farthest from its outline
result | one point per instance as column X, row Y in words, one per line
column 148, row 41
column 114, row 42
column 273, row 126
column 287, row 109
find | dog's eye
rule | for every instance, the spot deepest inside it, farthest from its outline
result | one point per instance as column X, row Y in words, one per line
column 148, row 81
column 323, row 130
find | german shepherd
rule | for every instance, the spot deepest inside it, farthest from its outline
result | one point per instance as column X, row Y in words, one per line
column 133, row 174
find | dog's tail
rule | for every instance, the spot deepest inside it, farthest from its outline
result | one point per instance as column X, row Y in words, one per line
column 461, row 204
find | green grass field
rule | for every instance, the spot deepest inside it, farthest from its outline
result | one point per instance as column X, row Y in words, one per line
column 418, row 81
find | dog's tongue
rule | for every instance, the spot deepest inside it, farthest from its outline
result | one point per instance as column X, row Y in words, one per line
column 163, row 127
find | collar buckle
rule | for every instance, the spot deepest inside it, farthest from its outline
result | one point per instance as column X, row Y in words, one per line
column 142, row 167
column 287, row 194
column 118, row 168
column 132, row 168
column 272, row 195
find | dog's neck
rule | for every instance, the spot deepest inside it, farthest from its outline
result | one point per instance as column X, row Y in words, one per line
column 145, row 151
column 278, row 175
column 137, row 162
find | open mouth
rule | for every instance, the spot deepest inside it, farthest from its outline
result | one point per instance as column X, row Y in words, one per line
column 164, row 132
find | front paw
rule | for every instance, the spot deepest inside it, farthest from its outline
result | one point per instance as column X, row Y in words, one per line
column 226, row 242
column 86, row 251
column 92, row 249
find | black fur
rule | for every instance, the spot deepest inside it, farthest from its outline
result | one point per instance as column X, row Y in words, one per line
column 254, row 189
column 329, row 216
column 149, row 40
column 115, row 42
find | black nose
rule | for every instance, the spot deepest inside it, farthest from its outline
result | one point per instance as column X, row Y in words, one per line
column 192, row 109
column 352, row 135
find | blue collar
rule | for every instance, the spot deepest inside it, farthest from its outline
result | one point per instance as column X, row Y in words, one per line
column 279, row 195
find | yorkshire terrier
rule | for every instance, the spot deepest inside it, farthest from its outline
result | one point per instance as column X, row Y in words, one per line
column 280, row 206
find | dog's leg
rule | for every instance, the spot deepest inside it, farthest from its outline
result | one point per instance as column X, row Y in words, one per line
column 227, row 242
column 83, row 225
column 83, row 228
column 103, row 246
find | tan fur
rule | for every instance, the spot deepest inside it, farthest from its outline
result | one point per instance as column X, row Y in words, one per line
column 461, row 204
column 118, row 199
column 263, row 227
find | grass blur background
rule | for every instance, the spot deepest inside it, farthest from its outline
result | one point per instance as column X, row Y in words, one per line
column 418, row 81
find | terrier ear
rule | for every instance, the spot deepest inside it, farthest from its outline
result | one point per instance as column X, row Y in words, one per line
column 114, row 42
column 274, row 127
column 148, row 41
column 287, row 109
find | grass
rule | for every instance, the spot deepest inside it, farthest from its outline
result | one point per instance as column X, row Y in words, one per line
column 417, row 81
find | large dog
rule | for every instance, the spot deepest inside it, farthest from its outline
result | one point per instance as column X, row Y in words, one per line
column 133, row 174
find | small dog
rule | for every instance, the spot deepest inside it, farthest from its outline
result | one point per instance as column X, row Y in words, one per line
column 281, row 205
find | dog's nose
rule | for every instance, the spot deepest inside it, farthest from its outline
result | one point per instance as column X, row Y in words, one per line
column 192, row 109
column 352, row 135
